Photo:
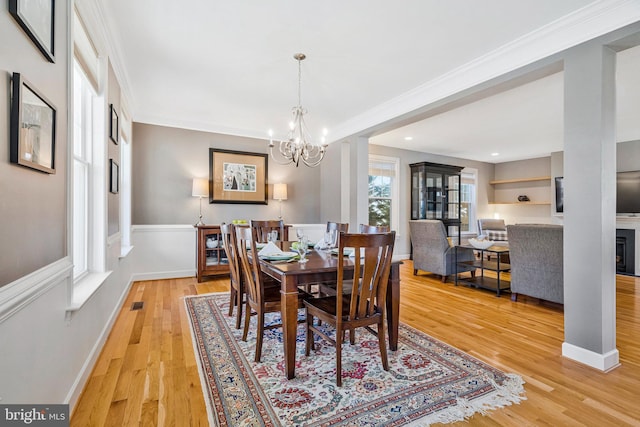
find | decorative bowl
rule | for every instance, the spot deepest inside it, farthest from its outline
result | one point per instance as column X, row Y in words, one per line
column 481, row 244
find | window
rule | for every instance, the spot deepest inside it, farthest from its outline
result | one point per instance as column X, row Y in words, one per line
column 87, row 160
column 468, row 200
column 83, row 99
column 383, row 191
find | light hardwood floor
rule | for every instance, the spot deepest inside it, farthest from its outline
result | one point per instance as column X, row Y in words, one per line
column 147, row 374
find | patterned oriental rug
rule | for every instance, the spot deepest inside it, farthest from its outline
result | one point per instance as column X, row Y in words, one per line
column 428, row 381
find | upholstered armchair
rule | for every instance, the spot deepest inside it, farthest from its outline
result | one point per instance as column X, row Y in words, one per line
column 494, row 229
column 432, row 251
column 536, row 261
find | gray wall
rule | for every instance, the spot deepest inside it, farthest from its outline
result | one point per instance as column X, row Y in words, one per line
column 33, row 224
column 165, row 161
column 113, row 152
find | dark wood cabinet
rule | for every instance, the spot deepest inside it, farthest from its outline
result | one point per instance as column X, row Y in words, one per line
column 435, row 194
column 211, row 256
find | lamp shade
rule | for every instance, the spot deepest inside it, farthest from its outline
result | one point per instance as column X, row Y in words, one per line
column 280, row 191
column 200, row 187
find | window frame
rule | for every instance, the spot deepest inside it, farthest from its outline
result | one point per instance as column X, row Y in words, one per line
column 470, row 174
column 394, row 221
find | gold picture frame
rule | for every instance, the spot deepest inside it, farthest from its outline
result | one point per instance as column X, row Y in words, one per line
column 237, row 177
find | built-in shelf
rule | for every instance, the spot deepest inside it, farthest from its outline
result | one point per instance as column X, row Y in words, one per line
column 520, row 203
column 511, row 181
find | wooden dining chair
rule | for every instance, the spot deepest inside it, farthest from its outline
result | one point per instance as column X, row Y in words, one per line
column 264, row 227
column 260, row 299
column 372, row 229
column 236, row 297
column 338, row 226
column 365, row 305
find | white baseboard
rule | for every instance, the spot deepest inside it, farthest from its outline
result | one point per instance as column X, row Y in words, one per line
column 603, row 362
column 80, row 381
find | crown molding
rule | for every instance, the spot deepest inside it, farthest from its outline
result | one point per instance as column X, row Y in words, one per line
column 98, row 23
column 594, row 20
column 199, row 126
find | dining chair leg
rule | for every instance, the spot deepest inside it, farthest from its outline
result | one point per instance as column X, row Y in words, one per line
column 339, row 357
column 383, row 345
column 309, row 335
column 247, row 319
column 239, row 296
column 232, row 300
column 259, row 336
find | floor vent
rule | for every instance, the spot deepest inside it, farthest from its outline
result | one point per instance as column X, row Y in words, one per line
column 137, row 305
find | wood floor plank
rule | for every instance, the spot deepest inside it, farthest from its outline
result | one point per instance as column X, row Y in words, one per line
column 147, row 373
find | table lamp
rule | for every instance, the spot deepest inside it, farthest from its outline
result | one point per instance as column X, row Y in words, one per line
column 200, row 189
column 280, row 194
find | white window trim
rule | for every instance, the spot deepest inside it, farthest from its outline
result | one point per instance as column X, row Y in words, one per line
column 395, row 189
column 473, row 223
column 81, row 289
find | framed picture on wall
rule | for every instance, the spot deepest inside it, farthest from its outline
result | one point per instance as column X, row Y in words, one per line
column 114, row 129
column 37, row 19
column 33, row 127
column 237, row 177
column 114, row 177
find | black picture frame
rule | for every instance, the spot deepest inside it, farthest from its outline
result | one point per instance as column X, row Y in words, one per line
column 114, row 177
column 238, row 177
column 33, row 127
column 114, row 126
column 37, row 19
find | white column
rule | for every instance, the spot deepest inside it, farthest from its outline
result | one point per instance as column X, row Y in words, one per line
column 589, row 207
column 359, row 182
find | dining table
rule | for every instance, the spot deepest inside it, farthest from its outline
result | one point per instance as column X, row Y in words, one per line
column 321, row 267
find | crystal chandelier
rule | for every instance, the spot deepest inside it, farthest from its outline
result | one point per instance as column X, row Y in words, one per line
column 298, row 145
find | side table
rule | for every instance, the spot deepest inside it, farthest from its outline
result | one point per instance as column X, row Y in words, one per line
column 498, row 284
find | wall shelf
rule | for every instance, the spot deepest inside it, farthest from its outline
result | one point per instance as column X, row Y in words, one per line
column 516, row 180
column 520, row 203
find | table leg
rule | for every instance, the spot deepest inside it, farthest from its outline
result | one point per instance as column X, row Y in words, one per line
column 498, row 291
column 393, row 306
column 289, row 306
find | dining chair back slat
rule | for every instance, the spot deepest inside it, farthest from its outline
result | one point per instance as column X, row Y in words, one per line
column 338, row 226
column 264, row 227
column 373, row 229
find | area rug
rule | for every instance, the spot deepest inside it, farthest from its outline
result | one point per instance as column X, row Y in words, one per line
column 428, row 381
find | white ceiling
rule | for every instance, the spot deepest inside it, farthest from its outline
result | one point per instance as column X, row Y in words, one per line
column 228, row 67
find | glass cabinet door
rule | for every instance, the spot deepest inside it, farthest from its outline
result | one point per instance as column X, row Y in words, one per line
column 435, row 196
column 452, row 190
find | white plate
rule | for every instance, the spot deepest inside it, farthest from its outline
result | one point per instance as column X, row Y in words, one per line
column 281, row 256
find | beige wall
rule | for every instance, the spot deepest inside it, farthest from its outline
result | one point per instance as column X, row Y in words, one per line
column 113, row 152
column 165, row 160
column 33, row 222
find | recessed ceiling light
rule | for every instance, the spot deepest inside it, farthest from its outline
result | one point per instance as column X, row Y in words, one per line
column 408, row 138
column 495, row 154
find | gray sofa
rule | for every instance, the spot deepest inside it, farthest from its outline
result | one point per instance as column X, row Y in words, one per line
column 536, row 261
column 432, row 251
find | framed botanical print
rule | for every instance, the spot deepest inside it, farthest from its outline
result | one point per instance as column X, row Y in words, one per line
column 237, row 177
